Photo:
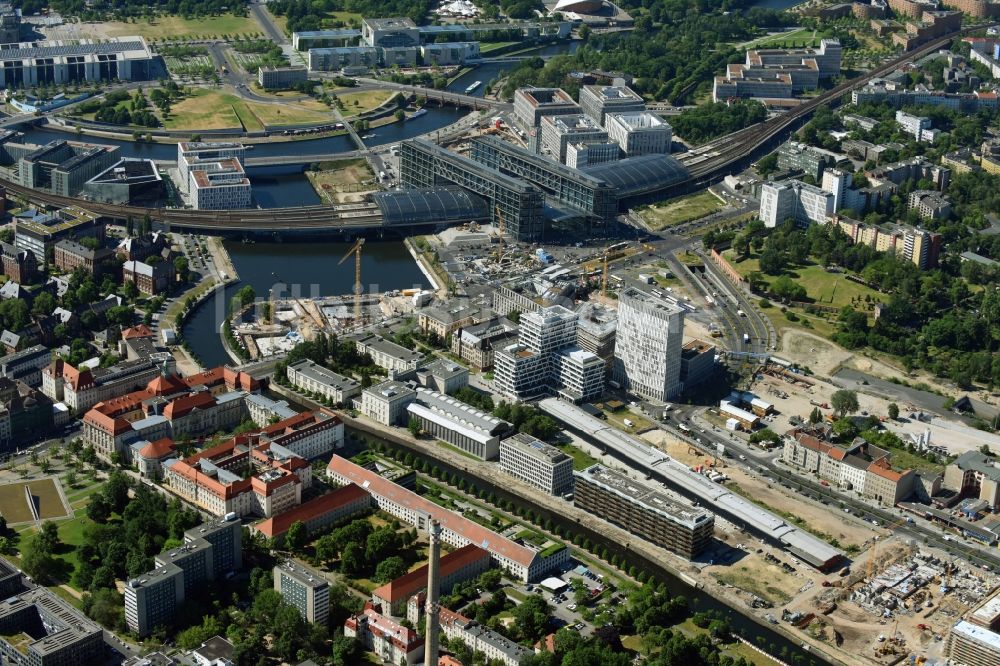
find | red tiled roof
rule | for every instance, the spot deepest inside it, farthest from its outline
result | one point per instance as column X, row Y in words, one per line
column 881, row 468
column 410, row 583
column 166, row 385
column 158, row 449
column 312, row 509
column 140, row 331
column 460, row 525
column 187, row 403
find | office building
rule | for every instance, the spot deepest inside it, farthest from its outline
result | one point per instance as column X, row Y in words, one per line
column 649, row 345
column 128, row 181
column 38, row 230
column 344, row 58
column 533, row 104
column 443, row 376
column 453, row 421
column 458, row 566
column 973, row 645
column 558, row 131
column 475, row 344
column 221, row 185
column 642, row 133
column 520, row 561
column 264, row 410
column 317, row 514
column 70, row 255
column 424, row 164
column 307, row 40
column 310, row 376
column 596, row 330
column 580, row 155
column 40, row 629
column 195, row 559
column 281, row 78
column 778, row 73
column 226, row 538
column 82, row 389
column 449, row 53
column 387, row 402
column 546, row 359
column 391, row 642
column 697, row 363
column 10, row 24
column 63, row 167
column 597, row 101
column 30, row 64
column 26, row 365
column 153, row 598
column 793, row 199
column 304, row 588
column 644, row 510
column 443, row 321
column 390, row 32
column 192, row 156
column 149, row 278
column 398, row 360
column 536, row 463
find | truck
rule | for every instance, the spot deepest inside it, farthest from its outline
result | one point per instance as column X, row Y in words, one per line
column 746, row 338
column 683, row 428
column 645, row 279
column 628, row 423
column 741, row 313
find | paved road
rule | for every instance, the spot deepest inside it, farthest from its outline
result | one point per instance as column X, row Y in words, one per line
column 266, row 20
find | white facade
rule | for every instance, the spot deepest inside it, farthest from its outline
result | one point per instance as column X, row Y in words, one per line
column 794, row 199
column 221, row 185
column 28, row 64
column 558, row 131
column 579, row 155
column 190, row 153
column 536, row 463
column 642, row 133
column 597, row 101
column 919, row 127
column 648, row 345
column 386, row 402
column 313, row 377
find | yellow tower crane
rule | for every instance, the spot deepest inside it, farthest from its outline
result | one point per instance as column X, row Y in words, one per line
column 356, row 251
column 501, row 231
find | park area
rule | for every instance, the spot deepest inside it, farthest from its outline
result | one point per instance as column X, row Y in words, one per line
column 681, row 210
column 356, row 103
column 800, row 38
column 212, row 109
column 177, row 27
column 45, row 494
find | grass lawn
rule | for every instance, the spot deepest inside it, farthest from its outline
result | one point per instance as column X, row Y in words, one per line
column 681, row 210
column 174, row 27
column 904, row 460
column 359, row 102
column 204, row 109
column 745, row 580
column 13, row 503
column 446, row 445
column 795, row 38
column 49, row 503
column 639, row 423
column 581, row 459
column 486, row 47
column 309, row 111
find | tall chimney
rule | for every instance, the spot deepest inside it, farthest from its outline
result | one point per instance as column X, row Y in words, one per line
column 433, row 594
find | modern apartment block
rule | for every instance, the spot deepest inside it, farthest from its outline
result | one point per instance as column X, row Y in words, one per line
column 912, row 244
column 930, row 205
column 597, row 101
column 461, row 425
column 304, row 588
column 546, row 359
column 536, row 463
column 533, row 104
column 917, row 126
column 387, row 402
column 310, row 376
column 648, row 345
column 793, row 199
column 40, row 629
column 559, row 131
column 643, row 510
column 641, row 133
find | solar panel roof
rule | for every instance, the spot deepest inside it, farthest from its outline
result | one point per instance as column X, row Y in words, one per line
column 53, row 50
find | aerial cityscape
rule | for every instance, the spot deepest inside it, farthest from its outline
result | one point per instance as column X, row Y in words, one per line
column 549, row 332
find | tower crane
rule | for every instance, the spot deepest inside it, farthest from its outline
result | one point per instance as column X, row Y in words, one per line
column 501, row 230
column 356, row 251
column 604, row 276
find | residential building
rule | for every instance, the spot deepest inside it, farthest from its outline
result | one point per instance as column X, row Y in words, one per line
column 82, row 389
column 697, row 363
column 458, row 566
column 26, row 365
column 541, row 465
column 974, row 474
column 317, row 514
column 443, row 376
column 304, row 588
column 29, row 64
column 387, row 402
column 40, row 629
column 38, row 231
column 310, row 376
column 520, row 561
column 546, row 359
column 596, row 329
column 597, row 101
column 810, row 161
column 391, row 642
column 641, row 133
column 914, row 169
column 533, row 104
column 496, row 647
column 911, row 244
column 648, row 345
column 793, row 199
column 972, row 645
column 219, row 185
column 917, row 126
column 70, row 255
column 281, row 78
column 21, row 266
column 556, row 132
column 398, row 360
column 930, row 205
column 475, row 344
column 195, row 559
column 644, row 510
column 150, row 279
column 461, row 425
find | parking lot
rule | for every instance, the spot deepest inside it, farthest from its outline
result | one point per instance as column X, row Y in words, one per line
column 584, row 601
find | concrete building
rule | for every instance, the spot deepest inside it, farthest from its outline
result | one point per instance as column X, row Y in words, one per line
column 38, row 230
column 443, row 376
column 811, row 161
column 644, row 510
column 556, row 132
column 913, row 169
column 317, row 514
column 193, row 155
column 26, row 365
column 344, row 58
column 128, row 181
column 579, row 155
column 972, row 645
column 778, row 73
column 547, row 360
column 461, row 425
column 793, row 199
column 913, row 244
column 974, row 474
column 396, row 359
column 536, row 463
column 930, row 205
column 917, row 126
column 597, row 101
column 153, row 598
column 304, row 588
column 596, row 330
column 520, row 561
column 533, row 104
column 697, row 363
column 281, row 78
column 458, row 566
column 10, row 24
column 310, row 376
column 387, row 402
column 40, row 629
column 391, row 642
column 219, row 185
column 30, row 64
column 390, row 32
column 398, row 56
column 641, row 133
column 63, row 167
column 449, row 53
column 648, row 345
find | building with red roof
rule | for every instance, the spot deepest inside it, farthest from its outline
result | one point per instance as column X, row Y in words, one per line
column 456, row 567
column 318, row 514
column 391, row 641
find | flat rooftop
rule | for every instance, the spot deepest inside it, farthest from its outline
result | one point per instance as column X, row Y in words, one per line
column 302, row 574
column 614, row 93
column 541, row 97
column 574, row 123
column 640, row 120
column 645, row 495
column 535, row 448
column 129, row 47
column 397, row 23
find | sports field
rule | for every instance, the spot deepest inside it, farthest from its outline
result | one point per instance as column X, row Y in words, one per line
column 45, row 494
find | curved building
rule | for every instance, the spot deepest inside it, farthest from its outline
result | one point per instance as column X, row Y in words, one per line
column 579, row 6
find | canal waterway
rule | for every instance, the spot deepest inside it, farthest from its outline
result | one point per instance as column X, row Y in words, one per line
column 298, row 270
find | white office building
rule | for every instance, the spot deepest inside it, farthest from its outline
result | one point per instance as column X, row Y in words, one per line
column 461, row 425
column 597, row 101
column 386, row 402
column 558, row 131
column 579, row 155
column 536, row 463
column 337, row 58
column 648, row 345
column 221, row 185
column 796, row 200
column 642, row 133
column 191, row 153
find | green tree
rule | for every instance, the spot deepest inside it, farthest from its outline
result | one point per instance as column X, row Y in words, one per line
column 297, row 536
column 414, row 426
column 815, row 416
column 389, row 569
column 531, row 618
column 844, row 402
column 893, row 411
